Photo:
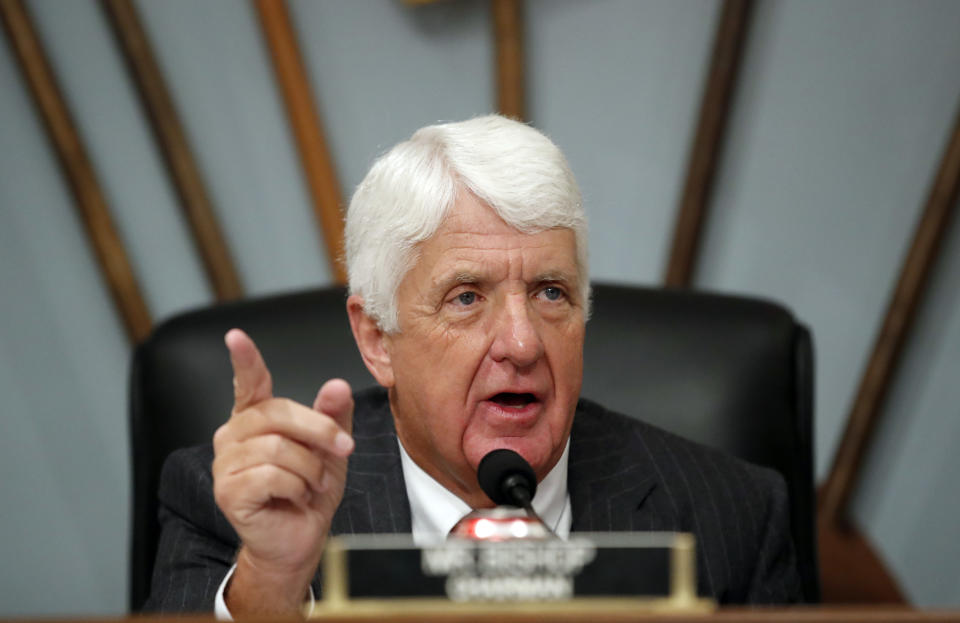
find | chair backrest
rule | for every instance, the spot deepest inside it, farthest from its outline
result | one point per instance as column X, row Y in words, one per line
column 730, row 372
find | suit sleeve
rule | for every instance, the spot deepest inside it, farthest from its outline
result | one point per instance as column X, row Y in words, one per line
column 197, row 545
column 775, row 578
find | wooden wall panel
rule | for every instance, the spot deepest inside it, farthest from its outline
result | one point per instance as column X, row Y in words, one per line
column 77, row 168
column 307, row 130
column 508, row 37
column 894, row 332
column 171, row 138
column 852, row 572
column 708, row 140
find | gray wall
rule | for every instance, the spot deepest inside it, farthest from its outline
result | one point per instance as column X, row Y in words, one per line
column 837, row 126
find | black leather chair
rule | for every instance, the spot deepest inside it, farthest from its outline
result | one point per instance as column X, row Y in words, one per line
column 731, row 372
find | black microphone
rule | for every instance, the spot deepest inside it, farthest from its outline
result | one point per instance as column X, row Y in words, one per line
column 509, row 481
column 507, row 478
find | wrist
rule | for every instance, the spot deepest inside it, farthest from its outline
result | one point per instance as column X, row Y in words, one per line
column 262, row 587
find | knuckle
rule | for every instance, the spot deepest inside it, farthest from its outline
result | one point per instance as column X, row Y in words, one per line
column 221, row 436
column 238, row 418
column 249, row 420
column 221, row 494
column 320, row 472
column 279, row 481
column 286, row 404
column 273, row 408
column 276, row 446
column 329, row 480
column 323, row 423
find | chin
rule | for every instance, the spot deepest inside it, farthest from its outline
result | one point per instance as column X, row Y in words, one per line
column 532, row 450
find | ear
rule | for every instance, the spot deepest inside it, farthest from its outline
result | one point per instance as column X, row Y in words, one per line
column 370, row 341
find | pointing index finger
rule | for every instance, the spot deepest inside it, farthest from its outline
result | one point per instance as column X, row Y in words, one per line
column 251, row 378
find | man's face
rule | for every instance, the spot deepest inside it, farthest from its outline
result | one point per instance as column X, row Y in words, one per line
column 490, row 349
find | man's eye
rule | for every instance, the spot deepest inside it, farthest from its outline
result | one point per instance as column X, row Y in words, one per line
column 553, row 294
column 467, row 298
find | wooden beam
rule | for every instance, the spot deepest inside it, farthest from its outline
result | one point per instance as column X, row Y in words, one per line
column 169, row 133
column 888, row 345
column 307, row 130
column 851, row 572
column 708, row 140
column 508, row 35
column 77, row 168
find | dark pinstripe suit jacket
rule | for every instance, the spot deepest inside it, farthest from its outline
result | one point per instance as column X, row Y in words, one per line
column 623, row 475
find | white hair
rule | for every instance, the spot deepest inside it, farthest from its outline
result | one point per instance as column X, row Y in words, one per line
column 408, row 192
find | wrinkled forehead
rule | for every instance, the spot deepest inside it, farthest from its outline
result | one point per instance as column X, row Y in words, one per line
column 473, row 244
column 471, row 218
column 491, row 258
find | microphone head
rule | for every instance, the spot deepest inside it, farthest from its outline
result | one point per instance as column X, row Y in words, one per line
column 501, row 472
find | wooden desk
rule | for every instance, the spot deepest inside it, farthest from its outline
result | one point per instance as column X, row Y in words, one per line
column 807, row 614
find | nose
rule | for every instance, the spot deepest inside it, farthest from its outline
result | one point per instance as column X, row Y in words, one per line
column 516, row 335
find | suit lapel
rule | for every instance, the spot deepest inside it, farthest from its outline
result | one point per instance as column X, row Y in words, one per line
column 610, row 478
column 375, row 498
column 609, row 481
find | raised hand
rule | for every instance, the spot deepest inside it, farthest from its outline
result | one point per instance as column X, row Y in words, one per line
column 279, row 472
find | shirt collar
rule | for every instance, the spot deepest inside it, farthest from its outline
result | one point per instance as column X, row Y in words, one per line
column 434, row 510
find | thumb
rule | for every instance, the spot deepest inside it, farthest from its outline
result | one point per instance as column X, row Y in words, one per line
column 335, row 399
column 251, row 378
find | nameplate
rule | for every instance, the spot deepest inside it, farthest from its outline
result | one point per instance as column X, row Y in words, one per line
column 627, row 568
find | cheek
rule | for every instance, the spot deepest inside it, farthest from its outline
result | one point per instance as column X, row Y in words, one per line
column 417, row 354
column 456, row 356
column 568, row 356
column 435, row 373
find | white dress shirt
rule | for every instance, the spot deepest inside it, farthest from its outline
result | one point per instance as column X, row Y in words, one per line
column 434, row 511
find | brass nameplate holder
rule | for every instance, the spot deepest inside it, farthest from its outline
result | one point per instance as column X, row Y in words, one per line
column 377, row 575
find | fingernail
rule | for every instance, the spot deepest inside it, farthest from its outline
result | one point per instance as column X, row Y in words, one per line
column 343, row 442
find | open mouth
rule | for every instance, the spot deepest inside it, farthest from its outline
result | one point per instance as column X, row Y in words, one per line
column 513, row 401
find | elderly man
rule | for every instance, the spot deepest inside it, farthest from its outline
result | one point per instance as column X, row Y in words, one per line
column 467, row 256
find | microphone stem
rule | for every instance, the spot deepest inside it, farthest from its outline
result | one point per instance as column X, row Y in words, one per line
column 520, row 494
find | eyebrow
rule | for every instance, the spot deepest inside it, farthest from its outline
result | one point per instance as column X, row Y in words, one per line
column 465, row 277
column 557, row 276
column 448, row 281
column 462, row 277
